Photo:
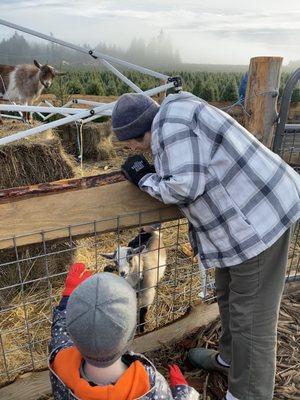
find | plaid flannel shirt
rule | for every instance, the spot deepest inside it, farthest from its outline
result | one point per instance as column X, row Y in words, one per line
column 238, row 196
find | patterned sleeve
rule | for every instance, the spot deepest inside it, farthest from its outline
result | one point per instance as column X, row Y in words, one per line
column 183, row 392
column 179, row 392
column 59, row 335
column 181, row 165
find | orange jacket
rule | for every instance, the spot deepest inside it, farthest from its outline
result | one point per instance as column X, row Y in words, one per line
column 133, row 384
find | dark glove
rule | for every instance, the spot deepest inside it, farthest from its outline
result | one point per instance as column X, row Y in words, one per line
column 135, row 168
column 176, row 376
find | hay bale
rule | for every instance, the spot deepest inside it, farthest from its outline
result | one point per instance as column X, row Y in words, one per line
column 26, row 162
column 32, row 270
column 97, row 140
column 33, row 160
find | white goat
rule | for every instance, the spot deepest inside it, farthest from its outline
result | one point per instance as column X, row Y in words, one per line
column 143, row 268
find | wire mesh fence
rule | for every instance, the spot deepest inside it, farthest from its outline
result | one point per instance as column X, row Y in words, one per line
column 287, row 132
column 289, row 146
column 32, row 278
column 293, row 267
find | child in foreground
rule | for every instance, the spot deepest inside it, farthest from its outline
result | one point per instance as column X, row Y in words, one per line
column 92, row 330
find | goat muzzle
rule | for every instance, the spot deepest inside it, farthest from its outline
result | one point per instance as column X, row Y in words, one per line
column 46, row 84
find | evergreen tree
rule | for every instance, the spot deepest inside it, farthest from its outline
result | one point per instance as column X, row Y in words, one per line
column 60, row 89
column 230, row 92
column 208, row 91
column 198, row 88
column 95, row 88
column 216, row 93
column 75, row 87
column 111, row 88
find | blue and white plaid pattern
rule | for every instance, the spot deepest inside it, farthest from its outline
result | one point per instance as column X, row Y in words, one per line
column 238, row 196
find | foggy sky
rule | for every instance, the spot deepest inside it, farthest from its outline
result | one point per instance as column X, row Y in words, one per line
column 204, row 31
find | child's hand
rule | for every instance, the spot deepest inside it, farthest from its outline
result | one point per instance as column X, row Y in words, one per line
column 176, row 376
column 76, row 275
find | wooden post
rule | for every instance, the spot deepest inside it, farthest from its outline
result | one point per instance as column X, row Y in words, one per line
column 261, row 97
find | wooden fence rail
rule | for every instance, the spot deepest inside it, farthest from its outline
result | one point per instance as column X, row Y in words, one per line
column 76, row 207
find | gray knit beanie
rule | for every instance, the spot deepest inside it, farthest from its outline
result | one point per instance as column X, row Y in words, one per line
column 133, row 115
column 101, row 318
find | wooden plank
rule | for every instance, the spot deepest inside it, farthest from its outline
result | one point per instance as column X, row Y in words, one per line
column 292, row 287
column 36, row 384
column 23, row 192
column 31, row 386
column 261, row 97
column 78, row 212
column 199, row 316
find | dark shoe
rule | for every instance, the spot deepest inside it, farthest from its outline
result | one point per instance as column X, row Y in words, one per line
column 206, row 359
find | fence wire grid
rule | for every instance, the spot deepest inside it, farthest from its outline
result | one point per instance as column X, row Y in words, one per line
column 289, row 148
column 32, row 279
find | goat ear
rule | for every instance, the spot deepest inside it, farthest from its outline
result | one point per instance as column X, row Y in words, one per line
column 139, row 249
column 37, row 64
column 109, row 256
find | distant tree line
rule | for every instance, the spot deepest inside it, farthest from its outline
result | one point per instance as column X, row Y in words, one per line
column 210, row 86
column 86, row 76
column 157, row 52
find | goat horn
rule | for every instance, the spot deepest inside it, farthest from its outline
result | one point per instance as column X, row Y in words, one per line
column 60, row 73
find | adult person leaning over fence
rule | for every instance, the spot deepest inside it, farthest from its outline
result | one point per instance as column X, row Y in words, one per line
column 241, row 201
column 92, row 329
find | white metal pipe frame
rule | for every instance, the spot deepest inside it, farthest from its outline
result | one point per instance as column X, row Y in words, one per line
column 77, row 114
column 105, row 109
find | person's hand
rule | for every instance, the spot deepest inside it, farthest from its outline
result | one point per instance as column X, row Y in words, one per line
column 176, row 376
column 135, row 168
column 76, row 275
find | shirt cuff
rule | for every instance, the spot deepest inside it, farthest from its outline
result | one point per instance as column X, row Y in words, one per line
column 63, row 303
column 144, row 179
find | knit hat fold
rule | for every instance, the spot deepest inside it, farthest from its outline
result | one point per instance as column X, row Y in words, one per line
column 101, row 318
column 133, row 115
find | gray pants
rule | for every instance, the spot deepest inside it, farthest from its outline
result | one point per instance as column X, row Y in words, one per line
column 249, row 297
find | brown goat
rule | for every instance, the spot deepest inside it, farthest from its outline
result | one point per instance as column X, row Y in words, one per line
column 24, row 83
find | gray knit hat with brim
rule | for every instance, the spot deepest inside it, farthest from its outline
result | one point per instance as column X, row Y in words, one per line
column 133, row 115
column 101, row 318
